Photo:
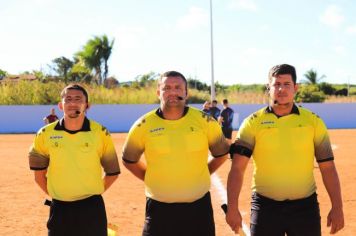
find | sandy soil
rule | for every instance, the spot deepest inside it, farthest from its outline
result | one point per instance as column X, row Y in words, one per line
column 21, row 202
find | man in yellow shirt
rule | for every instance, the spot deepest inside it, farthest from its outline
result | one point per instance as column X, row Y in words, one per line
column 67, row 157
column 283, row 140
column 175, row 140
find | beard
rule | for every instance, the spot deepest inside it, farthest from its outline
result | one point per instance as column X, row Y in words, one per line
column 74, row 115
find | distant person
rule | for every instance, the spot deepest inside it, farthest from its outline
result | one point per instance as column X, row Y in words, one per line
column 176, row 140
column 68, row 159
column 214, row 110
column 206, row 107
column 283, row 140
column 225, row 119
column 52, row 117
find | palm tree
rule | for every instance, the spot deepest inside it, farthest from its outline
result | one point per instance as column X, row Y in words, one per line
column 312, row 77
column 95, row 54
column 106, row 52
column 80, row 72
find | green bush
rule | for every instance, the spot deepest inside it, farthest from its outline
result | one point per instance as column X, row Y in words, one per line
column 309, row 93
column 29, row 93
column 326, row 88
column 48, row 92
column 352, row 91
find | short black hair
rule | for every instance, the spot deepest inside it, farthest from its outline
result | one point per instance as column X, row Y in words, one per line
column 282, row 69
column 173, row 73
column 75, row 87
column 225, row 101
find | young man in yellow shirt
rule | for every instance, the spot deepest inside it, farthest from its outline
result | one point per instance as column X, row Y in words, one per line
column 68, row 157
column 283, row 141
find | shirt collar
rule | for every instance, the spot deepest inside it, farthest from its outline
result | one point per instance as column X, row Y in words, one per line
column 294, row 110
column 159, row 112
column 85, row 127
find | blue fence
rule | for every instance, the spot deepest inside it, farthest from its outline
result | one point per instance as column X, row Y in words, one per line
column 119, row 118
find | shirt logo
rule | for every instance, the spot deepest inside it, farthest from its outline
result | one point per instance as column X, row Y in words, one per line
column 56, row 137
column 267, row 122
column 156, row 129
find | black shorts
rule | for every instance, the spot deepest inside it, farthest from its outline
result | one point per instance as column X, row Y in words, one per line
column 227, row 132
column 82, row 217
column 178, row 219
column 290, row 217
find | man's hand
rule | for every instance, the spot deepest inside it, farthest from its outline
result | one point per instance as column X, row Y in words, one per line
column 335, row 220
column 234, row 220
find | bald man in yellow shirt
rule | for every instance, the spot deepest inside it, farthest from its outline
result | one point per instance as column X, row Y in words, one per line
column 176, row 140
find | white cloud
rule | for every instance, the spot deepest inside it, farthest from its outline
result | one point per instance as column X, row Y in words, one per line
column 351, row 29
column 195, row 18
column 309, row 64
column 265, row 28
column 332, row 16
column 44, row 2
column 253, row 55
column 341, row 74
column 250, row 52
column 340, row 50
column 129, row 37
column 248, row 5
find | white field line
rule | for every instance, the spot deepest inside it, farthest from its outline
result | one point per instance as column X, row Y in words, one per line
column 220, row 189
column 334, row 146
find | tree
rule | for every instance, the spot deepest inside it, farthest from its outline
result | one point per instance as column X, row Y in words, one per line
column 80, row 72
column 95, row 54
column 326, row 88
column 194, row 83
column 312, row 77
column 62, row 66
column 146, row 79
column 2, row 74
column 39, row 74
column 106, row 48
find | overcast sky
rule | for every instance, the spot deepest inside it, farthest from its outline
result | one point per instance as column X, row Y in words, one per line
column 250, row 36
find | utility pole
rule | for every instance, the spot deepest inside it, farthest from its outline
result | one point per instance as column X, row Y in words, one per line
column 195, row 77
column 348, row 86
column 212, row 90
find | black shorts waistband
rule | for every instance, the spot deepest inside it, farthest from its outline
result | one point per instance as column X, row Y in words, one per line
column 259, row 197
column 78, row 202
column 203, row 199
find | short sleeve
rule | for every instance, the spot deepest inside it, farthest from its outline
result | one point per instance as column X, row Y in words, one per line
column 218, row 145
column 109, row 159
column 246, row 135
column 322, row 145
column 134, row 144
column 38, row 153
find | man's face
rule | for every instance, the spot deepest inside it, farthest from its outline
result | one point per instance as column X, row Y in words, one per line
column 72, row 102
column 282, row 89
column 170, row 88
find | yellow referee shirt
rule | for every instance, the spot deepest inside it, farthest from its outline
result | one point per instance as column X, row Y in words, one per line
column 74, row 160
column 176, row 152
column 283, row 150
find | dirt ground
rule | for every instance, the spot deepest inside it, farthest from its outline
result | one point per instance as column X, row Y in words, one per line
column 21, row 202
